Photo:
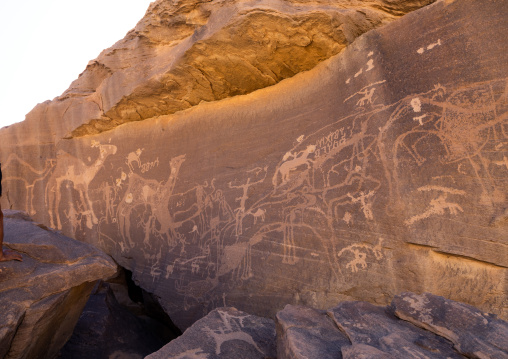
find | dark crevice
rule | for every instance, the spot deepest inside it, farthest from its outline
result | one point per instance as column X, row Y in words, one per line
column 119, row 320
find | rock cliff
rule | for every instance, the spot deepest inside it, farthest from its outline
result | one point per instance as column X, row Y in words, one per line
column 259, row 153
column 42, row 297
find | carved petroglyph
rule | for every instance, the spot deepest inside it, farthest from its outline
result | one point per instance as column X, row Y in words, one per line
column 259, row 214
column 421, row 50
column 366, row 94
column 147, row 166
column 360, row 252
column 152, row 194
column 504, row 162
column 416, row 104
column 439, row 204
column 370, row 65
column 291, row 163
column 365, row 203
column 134, row 157
column 241, row 210
column 73, row 169
column 419, row 119
column 231, row 330
column 29, row 176
column 343, row 176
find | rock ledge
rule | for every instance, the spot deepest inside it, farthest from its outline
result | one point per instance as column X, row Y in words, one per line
column 42, row 297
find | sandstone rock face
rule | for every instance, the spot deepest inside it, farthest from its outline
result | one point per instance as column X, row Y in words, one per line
column 381, row 169
column 42, row 297
column 224, row 333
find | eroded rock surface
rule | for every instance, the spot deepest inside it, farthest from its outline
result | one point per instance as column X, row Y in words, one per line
column 474, row 333
column 366, row 331
column 225, row 333
column 367, row 325
column 42, row 297
column 382, row 169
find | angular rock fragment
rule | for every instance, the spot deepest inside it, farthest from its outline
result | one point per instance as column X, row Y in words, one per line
column 474, row 333
column 304, row 332
column 375, row 327
column 224, row 333
column 42, row 297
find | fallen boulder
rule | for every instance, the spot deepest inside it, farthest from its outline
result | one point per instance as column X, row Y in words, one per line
column 225, row 333
column 42, row 297
column 350, row 330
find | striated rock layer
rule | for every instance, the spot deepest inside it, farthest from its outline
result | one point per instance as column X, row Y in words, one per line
column 381, row 169
column 42, row 297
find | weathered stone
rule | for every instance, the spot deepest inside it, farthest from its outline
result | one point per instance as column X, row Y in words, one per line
column 182, row 53
column 374, row 326
column 474, row 333
column 363, row 351
column 380, row 170
column 304, row 332
column 224, row 333
column 42, row 297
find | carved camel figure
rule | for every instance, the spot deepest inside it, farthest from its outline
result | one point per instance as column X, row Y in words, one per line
column 73, row 169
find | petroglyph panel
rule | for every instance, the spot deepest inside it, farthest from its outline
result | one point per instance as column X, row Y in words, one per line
column 314, row 197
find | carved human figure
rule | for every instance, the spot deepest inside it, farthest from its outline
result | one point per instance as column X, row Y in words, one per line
column 6, row 255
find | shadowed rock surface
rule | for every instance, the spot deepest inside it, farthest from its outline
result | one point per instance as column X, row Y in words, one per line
column 107, row 330
column 42, row 297
column 378, row 168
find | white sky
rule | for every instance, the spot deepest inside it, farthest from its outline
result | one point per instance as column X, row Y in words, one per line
column 46, row 44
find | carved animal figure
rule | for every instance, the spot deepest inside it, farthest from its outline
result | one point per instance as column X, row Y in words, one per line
column 290, row 165
column 73, row 169
column 155, row 195
column 134, row 157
